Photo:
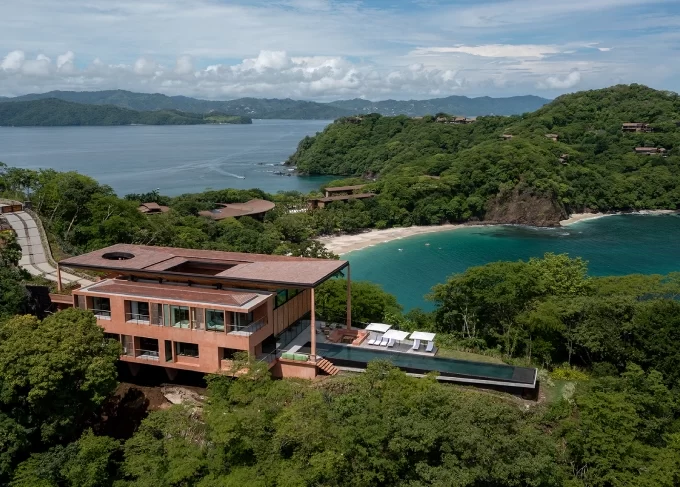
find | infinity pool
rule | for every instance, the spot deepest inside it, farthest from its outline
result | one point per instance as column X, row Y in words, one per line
column 422, row 364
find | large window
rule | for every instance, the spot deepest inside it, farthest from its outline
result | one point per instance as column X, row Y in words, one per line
column 138, row 312
column 101, row 307
column 214, row 320
column 148, row 348
column 179, row 316
column 186, row 349
column 285, row 295
column 240, row 320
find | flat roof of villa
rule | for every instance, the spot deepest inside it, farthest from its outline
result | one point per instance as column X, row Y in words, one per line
column 344, row 188
column 225, row 266
column 343, row 197
column 229, row 210
column 180, row 294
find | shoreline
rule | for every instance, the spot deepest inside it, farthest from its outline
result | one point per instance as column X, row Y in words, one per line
column 579, row 217
column 344, row 244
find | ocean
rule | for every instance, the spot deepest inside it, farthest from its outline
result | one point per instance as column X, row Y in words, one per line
column 176, row 159
column 613, row 246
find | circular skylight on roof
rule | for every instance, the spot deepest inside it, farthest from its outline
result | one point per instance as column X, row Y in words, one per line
column 118, row 256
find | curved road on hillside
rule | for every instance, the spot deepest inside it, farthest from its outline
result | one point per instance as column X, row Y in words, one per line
column 33, row 255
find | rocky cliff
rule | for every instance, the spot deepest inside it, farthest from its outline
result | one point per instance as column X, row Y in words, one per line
column 525, row 207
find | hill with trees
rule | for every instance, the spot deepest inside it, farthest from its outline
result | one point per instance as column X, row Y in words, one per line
column 275, row 108
column 54, row 112
column 471, row 170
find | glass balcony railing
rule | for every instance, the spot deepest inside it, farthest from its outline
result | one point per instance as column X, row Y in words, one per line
column 139, row 318
column 249, row 329
column 102, row 313
column 147, row 354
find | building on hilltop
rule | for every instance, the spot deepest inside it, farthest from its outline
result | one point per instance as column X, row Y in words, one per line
column 184, row 309
column 506, row 137
column 152, row 208
column 194, row 309
column 552, row 137
column 650, row 151
column 636, row 127
column 314, row 203
column 255, row 208
column 455, row 120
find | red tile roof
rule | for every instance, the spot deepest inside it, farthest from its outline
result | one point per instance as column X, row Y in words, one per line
column 273, row 269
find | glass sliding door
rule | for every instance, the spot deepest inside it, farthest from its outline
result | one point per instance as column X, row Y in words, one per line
column 214, row 320
column 179, row 316
column 240, row 320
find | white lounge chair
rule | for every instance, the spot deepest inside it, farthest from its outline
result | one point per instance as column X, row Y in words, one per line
column 390, row 343
column 374, row 339
column 430, row 346
column 384, row 342
column 416, row 345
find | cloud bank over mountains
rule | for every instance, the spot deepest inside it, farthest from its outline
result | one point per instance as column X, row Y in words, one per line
column 323, row 49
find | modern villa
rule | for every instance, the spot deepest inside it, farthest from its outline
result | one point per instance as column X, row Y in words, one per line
column 184, row 309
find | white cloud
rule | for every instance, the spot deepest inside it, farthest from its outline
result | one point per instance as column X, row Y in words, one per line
column 604, row 49
column 495, row 50
column 13, row 61
column 184, row 65
column 65, row 62
column 145, row 67
column 557, row 83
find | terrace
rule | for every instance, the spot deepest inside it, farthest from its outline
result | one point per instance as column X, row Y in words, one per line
column 355, row 356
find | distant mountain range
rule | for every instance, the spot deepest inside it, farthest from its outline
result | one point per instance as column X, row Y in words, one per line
column 53, row 112
column 297, row 109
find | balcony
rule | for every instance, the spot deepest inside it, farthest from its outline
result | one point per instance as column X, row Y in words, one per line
column 102, row 314
column 248, row 329
column 148, row 354
column 138, row 318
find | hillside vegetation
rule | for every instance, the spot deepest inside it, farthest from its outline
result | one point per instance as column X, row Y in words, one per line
column 275, row 108
column 478, row 169
column 53, row 112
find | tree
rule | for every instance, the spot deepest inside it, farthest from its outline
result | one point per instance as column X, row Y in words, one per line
column 369, row 301
column 54, row 374
column 13, row 294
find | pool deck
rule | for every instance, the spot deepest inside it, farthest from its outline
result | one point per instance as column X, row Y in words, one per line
column 523, row 378
column 403, row 347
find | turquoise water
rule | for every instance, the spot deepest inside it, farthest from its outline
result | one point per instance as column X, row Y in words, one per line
column 615, row 245
column 175, row 159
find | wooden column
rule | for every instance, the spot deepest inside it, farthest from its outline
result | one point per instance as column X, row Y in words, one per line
column 349, row 300
column 59, row 287
column 312, row 327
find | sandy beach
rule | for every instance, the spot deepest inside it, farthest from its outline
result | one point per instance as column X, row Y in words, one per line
column 579, row 217
column 343, row 244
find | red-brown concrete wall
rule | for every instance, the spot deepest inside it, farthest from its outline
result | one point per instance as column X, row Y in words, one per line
column 294, row 369
column 209, row 342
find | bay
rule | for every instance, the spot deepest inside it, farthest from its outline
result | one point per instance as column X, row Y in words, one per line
column 175, row 159
column 613, row 246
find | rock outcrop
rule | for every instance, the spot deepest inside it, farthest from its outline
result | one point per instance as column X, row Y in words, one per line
column 525, row 207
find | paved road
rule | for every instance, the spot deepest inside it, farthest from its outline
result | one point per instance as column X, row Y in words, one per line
column 33, row 257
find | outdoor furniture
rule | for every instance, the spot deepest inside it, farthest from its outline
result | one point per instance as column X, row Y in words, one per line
column 390, row 343
column 416, row 345
column 375, row 340
column 378, row 327
column 396, row 335
column 384, row 341
column 430, row 346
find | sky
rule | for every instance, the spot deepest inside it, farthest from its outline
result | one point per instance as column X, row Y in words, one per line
column 327, row 50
